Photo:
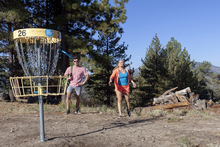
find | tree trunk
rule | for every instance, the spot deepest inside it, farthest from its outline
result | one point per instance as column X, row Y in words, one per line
column 65, row 59
column 10, row 57
column 108, row 70
column 64, row 30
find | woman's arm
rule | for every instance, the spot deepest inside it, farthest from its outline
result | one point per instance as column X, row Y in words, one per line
column 112, row 77
column 134, row 85
column 110, row 81
column 129, row 78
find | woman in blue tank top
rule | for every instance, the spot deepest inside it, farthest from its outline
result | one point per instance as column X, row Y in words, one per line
column 122, row 78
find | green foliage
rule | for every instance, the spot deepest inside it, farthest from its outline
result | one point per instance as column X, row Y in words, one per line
column 216, row 87
column 138, row 112
column 12, row 14
column 164, row 69
column 203, row 74
column 3, row 75
column 179, row 66
column 103, row 108
column 77, row 20
column 62, row 106
column 186, row 141
column 139, row 95
column 197, row 113
column 204, row 70
column 180, row 112
column 152, row 70
column 158, row 113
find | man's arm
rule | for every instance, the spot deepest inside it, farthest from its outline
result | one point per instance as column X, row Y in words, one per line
column 86, row 79
column 67, row 72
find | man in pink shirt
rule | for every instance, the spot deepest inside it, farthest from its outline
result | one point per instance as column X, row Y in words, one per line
column 75, row 83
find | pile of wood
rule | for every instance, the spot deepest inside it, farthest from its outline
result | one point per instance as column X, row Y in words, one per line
column 181, row 98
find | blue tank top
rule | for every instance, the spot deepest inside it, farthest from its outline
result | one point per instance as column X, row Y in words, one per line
column 123, row 79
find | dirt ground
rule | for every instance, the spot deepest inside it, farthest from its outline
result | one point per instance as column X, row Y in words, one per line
column 98, row 130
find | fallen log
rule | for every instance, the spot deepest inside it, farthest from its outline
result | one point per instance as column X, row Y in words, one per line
column 165, row 99
column 183, row 91
column 216, row 106
column 167, row 92
column 182, row 98
column 191, row 94
column 158, row 100
column 170, row 106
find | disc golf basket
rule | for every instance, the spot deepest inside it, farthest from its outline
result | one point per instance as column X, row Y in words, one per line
column 38, row 52
column 26, row 87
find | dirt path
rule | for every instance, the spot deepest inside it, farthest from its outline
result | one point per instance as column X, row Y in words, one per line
column 98, row 130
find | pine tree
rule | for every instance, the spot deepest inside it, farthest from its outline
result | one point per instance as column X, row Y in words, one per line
column 153, row 70
column 12, row 14
column 4, row 77
column 203, row 74
column 216, row 87
column 179, row 66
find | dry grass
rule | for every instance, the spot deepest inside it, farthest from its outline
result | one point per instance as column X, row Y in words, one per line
column 18, row 107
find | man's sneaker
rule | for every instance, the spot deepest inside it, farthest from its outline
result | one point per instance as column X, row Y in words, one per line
column 78, row 112
column 67, row 111
column 120, row 116
column 129, row 113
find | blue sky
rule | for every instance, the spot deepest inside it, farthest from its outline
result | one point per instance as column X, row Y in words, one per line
column 193, row 23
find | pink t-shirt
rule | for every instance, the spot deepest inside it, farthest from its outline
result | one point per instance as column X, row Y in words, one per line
column 77, row 74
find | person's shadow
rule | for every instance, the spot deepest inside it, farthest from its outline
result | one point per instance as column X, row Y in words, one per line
column 117, row 125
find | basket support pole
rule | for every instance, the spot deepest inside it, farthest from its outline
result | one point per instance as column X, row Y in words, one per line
column 41, row 113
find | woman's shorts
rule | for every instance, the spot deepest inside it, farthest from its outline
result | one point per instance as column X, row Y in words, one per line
column 77, row 89
column 123, row 89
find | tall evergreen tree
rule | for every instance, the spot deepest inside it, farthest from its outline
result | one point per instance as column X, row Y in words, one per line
column 12, row 13
column 4, row 77
column 203, row 74
column 216, row 87
column 153, row 70
column 179, row 66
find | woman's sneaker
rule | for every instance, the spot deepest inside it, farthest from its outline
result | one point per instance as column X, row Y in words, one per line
column 78, row 112
column 67, row 111
column 120, row 116
column 129, row 113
